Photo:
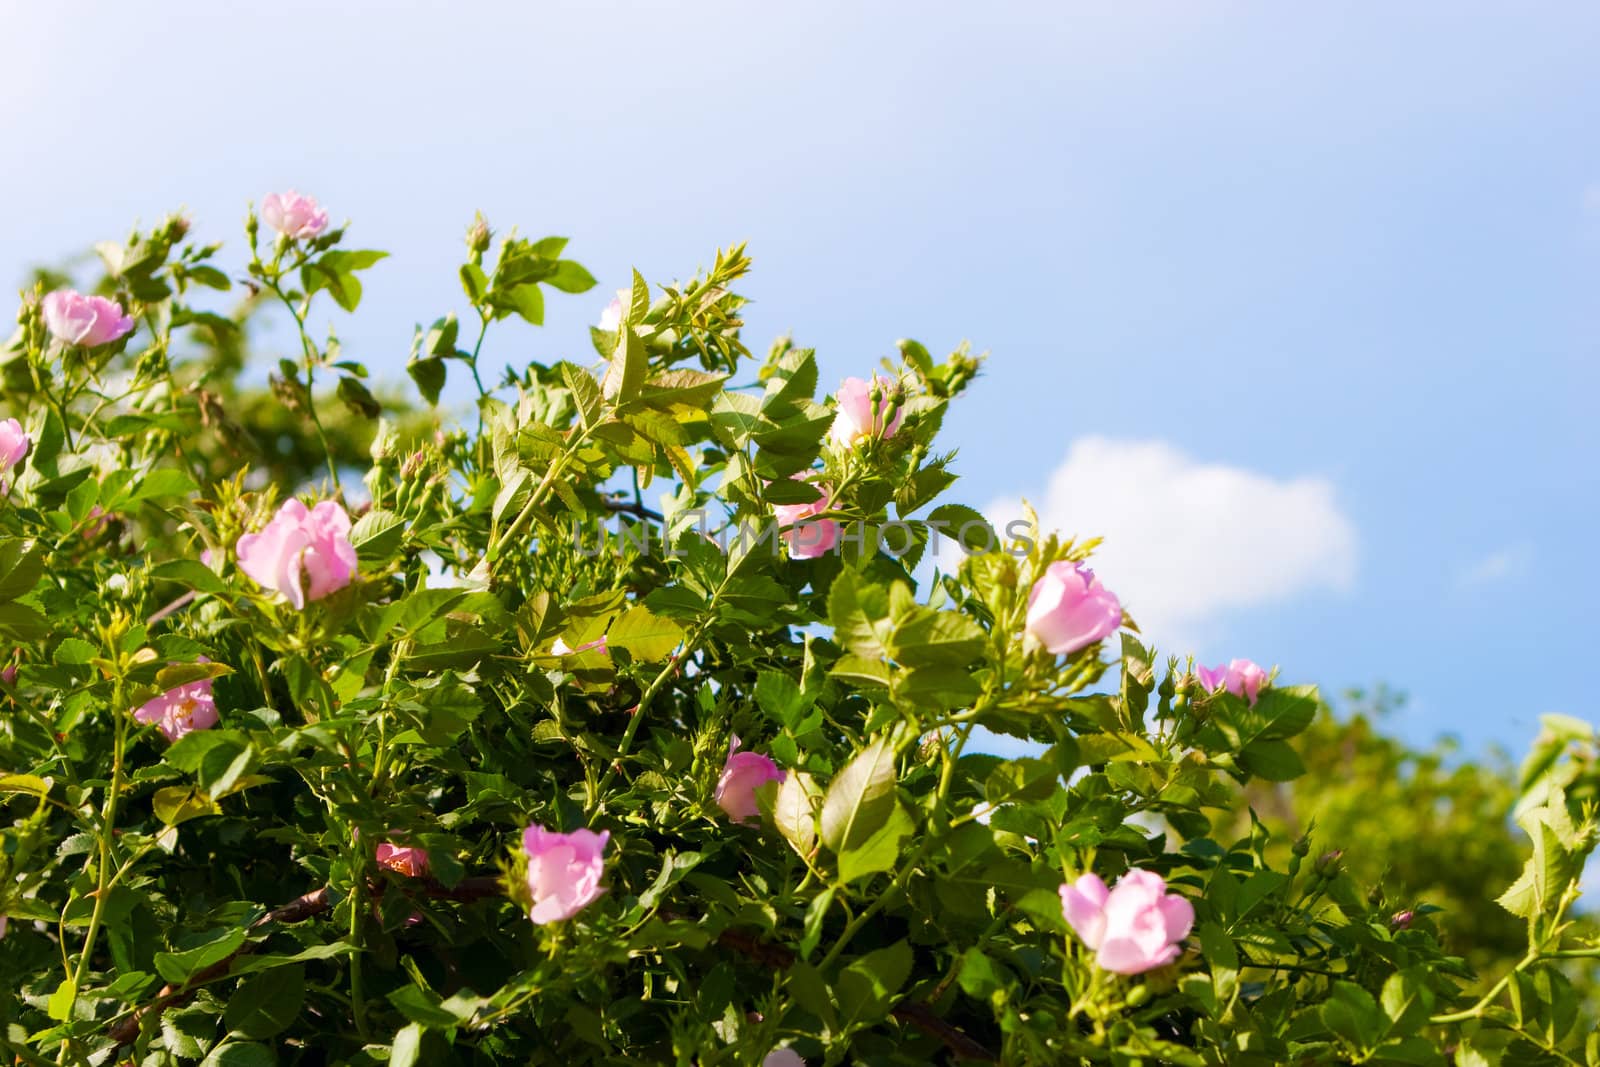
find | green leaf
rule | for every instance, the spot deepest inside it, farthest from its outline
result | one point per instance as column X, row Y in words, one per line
column 62, row 1000
column 1553, row 865
column 861, row 799
column 868, row 985
column 794, row 811
column 1276, row 761
column 780, row 698
column 1021, row 779
column 528, row 300
column 23, row 622
column 190, row 573
column 266, row 1004
column 31, row 784
column 164, row 483
column 638, row 300
column 1407, row 1002
column 179, row 803
column 174, row 675
column 407, row 1048
column 178, row 967
column 625, row 373
column 440, row 340
column 187, row 1033
column 423, row 1007
column 21, row 565
column 1415, row 1050
column 585, row 394
column 979, row 975
column 804, row 983
column 358, row 398
column 647, row 637
column 859, row 612
column 474, row 282
column 429, row 374
column 241, row 1054
column 936, row 639
column 570, row 277
column 964, row 526
column 377, row 534
column 878, row 852
column 1352, row 1014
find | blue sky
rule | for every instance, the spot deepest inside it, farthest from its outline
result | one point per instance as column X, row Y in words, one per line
column 1297, row 304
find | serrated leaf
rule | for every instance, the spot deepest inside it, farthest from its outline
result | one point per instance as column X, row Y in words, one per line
column 861, row 799
column 648, row 638
column 21, row 565
column 179, row 967
column 794, row 811
column 626, row 370
column 878, row 852
column 266, row 1004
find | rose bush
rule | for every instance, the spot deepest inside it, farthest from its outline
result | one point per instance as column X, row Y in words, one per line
column 336, row 733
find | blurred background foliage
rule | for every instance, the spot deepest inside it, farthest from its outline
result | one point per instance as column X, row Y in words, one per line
column 1420, row 829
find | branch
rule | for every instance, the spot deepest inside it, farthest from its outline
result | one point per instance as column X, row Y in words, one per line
column 300, row 909
column 628, row 507
column 316, row 902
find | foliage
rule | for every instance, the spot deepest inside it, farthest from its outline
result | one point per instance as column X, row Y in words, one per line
column 234, row 896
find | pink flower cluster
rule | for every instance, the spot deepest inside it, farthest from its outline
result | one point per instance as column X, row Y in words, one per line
column 403, row 859
column 858, row 417
column 563, row 871
column 304, row 554
column 14, row 445
column 182, row 710
column 296, row 217
column 1133, row 928
column 90, row 321
column 808, row 538
column 742, row 775
column 1069, row 609
column 1240, row 677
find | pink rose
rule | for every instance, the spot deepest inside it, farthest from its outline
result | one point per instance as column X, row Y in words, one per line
column 409, row 861
column 181, row 710
column 1133, row 928
column 742, row 775
column 293, row 215
column 1069, row 609
column 611, row 317
column 783, row 1057
column 14, row 444
column 90, row 321
column 857, row 418
column 807, row 540
column 314, row 543
column 563, row 871
column 1242, row 678
column 561, row 648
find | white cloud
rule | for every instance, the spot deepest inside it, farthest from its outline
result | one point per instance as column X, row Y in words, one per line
column 1187, row 542
column 1508, row 562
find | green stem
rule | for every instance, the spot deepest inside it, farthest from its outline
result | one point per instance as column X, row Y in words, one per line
column 649, row 694
column 946, row 776
column 310, row 351
column 358, row 1005
column 108, row 822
